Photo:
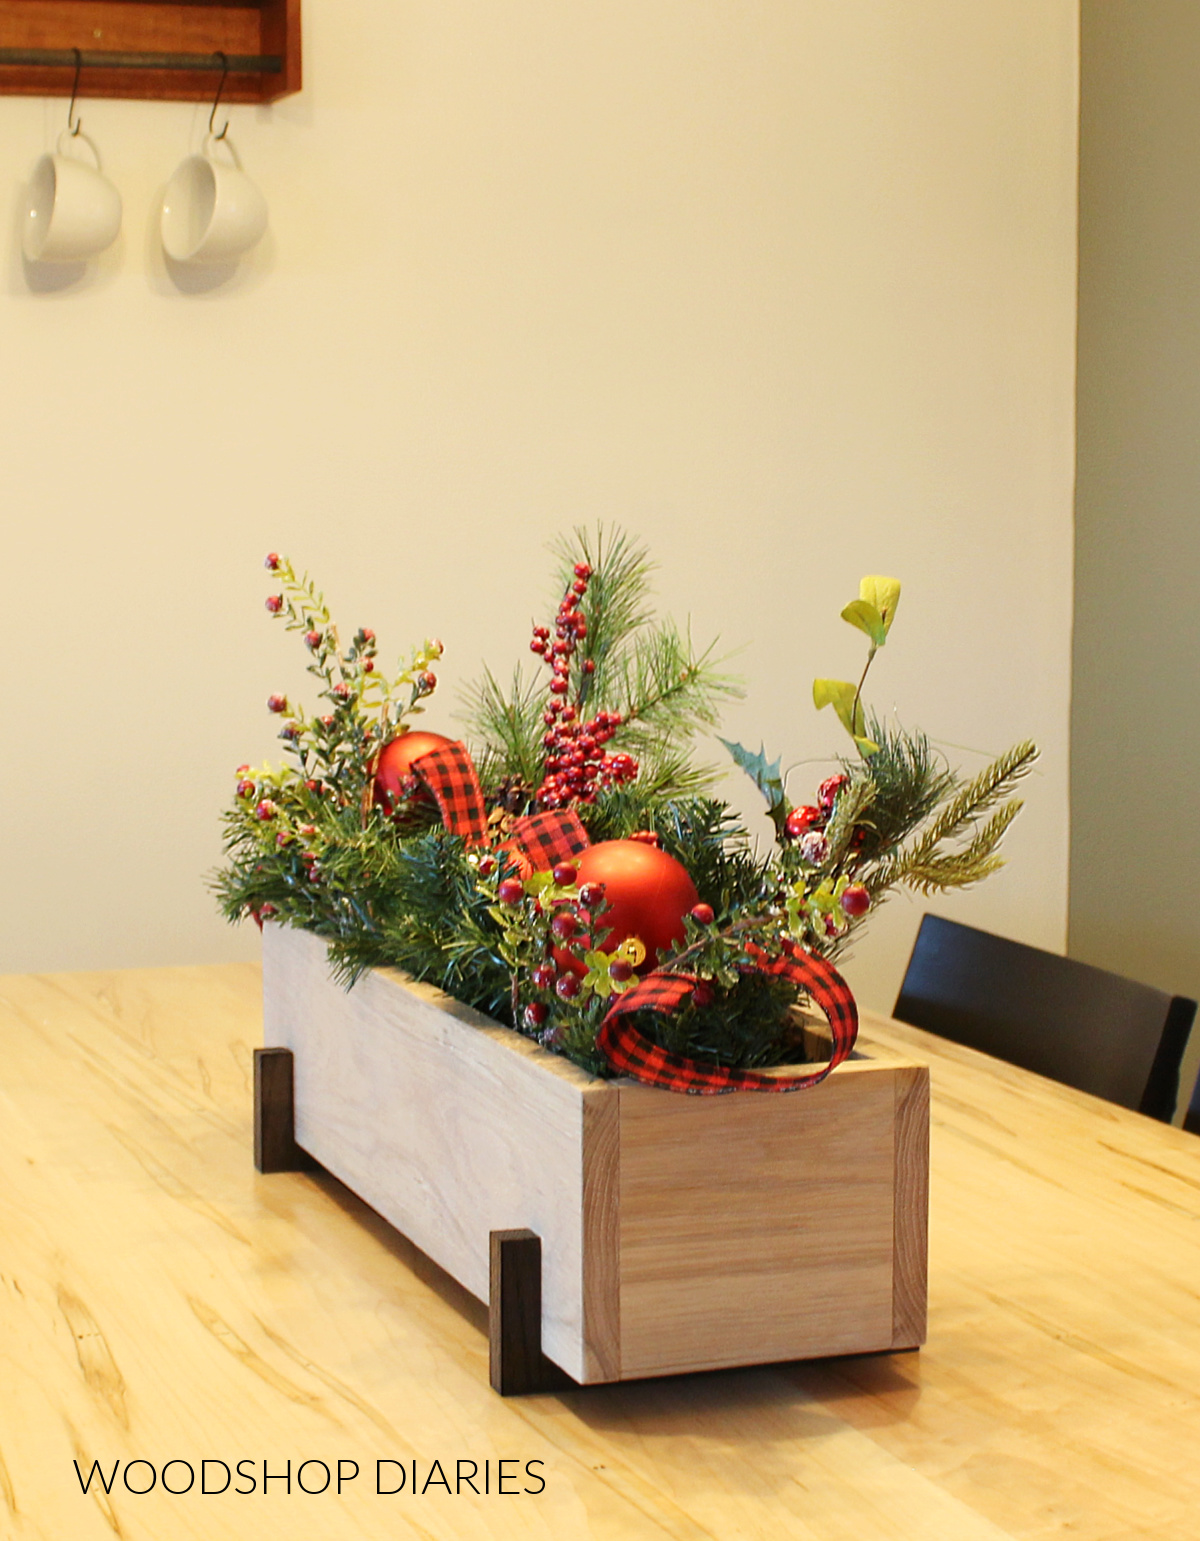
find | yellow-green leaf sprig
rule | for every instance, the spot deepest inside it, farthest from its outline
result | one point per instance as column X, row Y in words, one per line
column 872, row 613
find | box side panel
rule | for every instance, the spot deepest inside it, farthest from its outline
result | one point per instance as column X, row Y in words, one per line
column 437, row 1124
column 911, row 1223
column 601, row 1232
column 756, row 1227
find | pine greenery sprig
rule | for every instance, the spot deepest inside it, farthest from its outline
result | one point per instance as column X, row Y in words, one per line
column 648, row 673
column 619, row 603
column 927, row 867
column 508, row 727
column 908, row 781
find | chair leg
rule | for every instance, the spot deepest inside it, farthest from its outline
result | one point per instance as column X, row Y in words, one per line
column 275, row 1148
column 518, row 1366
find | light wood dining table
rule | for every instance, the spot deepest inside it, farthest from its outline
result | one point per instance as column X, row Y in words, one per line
column 164, row 1309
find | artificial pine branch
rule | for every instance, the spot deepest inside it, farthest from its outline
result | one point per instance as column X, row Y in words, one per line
column 959, row 869
column 618, row 603
column 509, row 727
column 909, row 784
column 994, row 782
column 956, row 818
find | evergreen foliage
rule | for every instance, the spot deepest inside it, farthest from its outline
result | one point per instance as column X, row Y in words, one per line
column 313, row 844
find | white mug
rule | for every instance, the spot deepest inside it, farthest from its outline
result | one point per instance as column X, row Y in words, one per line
column 72, row 210
column 212, row 211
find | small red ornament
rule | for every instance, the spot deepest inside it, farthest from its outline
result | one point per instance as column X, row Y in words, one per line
column 277, row 703
column 511, row 891
column 702, row 914
column 274, row 603
column 393, row 768
column 271, row 561
column 801, row 820
column 647, row 892
column 828, row 790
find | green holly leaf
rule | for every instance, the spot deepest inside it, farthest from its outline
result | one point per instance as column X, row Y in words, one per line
column 766, row 775
column 883, row 595
column 868, row 620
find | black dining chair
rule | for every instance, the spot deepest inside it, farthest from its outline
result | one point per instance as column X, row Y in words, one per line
column 1191, row 1120
column 1067, row 1020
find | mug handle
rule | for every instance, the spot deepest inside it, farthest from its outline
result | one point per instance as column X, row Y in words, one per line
column 210, row 140
column 67, row 137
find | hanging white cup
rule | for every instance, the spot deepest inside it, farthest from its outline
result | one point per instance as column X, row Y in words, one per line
column 72, row 210
column 212, row 211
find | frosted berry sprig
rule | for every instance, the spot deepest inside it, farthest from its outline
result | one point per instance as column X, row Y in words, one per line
column 335, row 748
column 576, row 762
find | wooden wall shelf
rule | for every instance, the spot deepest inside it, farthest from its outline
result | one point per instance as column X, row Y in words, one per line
column 151, row 50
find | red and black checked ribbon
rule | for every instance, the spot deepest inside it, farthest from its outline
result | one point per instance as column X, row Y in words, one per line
column 632, row 1053
column 449, row 773
column 538, row 842
column 541, row 840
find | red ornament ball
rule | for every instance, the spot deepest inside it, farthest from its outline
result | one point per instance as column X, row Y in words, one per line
column 393, row 768
column 647, row 892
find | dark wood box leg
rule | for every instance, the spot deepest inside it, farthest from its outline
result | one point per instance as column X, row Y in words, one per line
column 275, row 1148
column 518, row 1365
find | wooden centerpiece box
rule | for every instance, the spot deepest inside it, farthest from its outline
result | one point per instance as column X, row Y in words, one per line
column 677, row 1232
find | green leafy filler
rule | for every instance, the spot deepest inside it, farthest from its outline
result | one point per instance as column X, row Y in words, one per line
column 312, row 843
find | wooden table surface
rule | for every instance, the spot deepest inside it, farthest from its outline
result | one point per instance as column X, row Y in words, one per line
column 161, row 1302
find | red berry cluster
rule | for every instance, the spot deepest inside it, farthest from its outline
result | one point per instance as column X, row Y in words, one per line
column 576, row 762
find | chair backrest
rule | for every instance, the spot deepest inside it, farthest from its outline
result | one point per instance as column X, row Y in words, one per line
column 1063, row 1019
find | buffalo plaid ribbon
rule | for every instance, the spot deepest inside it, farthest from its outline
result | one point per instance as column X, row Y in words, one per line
column 541, row 840
column 449, row 773
column 630, row 1052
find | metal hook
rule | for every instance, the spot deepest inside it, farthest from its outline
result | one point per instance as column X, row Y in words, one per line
column 74, row 127
column 217, row 54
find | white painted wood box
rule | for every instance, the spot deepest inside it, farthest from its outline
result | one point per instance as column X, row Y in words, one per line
column 678, row 1232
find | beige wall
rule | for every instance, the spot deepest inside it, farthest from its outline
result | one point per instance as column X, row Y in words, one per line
column 786, row 286
column 1135, row 855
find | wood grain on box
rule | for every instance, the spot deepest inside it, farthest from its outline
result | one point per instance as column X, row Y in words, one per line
column 677, row 1233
